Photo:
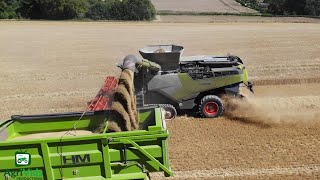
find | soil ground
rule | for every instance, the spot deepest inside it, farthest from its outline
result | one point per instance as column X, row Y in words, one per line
column 231, row 148
column 58, row 66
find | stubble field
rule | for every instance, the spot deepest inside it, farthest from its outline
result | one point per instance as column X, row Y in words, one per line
column 59, row 66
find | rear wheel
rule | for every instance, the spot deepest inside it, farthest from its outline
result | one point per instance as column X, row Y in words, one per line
column 211, row 106
column 170, row 111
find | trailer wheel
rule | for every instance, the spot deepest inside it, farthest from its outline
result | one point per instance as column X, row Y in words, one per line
column 211, row 106
column 171, row 111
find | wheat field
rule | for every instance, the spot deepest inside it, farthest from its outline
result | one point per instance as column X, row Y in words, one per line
column 58, row 66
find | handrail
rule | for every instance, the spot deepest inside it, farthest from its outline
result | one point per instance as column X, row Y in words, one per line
column 164, row 168
column 5, row 124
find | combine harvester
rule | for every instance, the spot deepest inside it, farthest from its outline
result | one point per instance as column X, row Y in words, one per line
column 195, row 83
column 110, row 140
column 166, row 79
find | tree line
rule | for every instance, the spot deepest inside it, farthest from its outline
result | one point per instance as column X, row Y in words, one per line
column 77, row 9
column 285, row 7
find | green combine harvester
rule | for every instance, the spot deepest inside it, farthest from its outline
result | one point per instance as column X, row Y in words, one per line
column 194, row 83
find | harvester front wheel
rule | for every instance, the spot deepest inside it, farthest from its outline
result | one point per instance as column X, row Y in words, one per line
column 170, row 111
column 211, row 106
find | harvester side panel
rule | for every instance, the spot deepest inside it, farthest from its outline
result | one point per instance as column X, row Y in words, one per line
column 182, row 86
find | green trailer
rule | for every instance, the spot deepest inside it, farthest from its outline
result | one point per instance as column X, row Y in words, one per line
column 68, row 155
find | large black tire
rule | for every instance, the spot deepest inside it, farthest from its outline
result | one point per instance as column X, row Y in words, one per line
column 171, row 111
column 211, row 106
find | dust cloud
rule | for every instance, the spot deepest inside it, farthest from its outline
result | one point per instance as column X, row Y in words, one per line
column 274, row 111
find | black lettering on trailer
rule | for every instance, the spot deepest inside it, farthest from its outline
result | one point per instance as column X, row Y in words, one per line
column 86, row 158
column 76, row 159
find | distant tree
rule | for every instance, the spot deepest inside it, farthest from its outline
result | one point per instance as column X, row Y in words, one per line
column 295, row 7
column 30, row 9
column 285, row 7
column 3, row 7
column 8, row 9
column 132, row 10
column 138, row 10
column 63, row 9
column 52, row 9
column 99, row 10
column 71, row 9
column 276, row 7
column 313, row 7
column 117, row 10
